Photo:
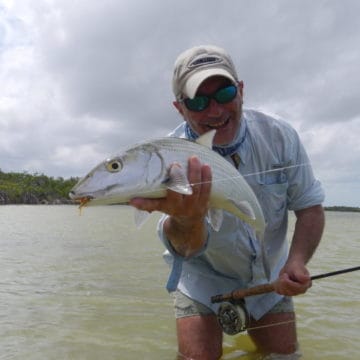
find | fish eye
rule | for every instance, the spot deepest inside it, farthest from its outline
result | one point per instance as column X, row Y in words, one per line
column 114, row 165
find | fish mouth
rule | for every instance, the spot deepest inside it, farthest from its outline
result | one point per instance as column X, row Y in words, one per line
column 81, row 200
column 219, row 124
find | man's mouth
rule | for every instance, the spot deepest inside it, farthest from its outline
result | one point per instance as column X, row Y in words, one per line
column 218, row 125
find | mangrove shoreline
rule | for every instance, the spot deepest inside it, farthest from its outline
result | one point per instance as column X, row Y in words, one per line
column 39, row 189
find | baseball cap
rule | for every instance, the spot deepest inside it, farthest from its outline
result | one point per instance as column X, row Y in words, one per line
column 198, row 63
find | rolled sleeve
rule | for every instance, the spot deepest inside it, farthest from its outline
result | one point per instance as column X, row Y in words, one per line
column 176, row 260
column 314, row 195
column 304, row 189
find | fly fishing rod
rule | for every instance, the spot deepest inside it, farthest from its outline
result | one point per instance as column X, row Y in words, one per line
column 265, row 288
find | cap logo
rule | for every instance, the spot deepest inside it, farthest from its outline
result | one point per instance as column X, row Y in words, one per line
column 205, row 61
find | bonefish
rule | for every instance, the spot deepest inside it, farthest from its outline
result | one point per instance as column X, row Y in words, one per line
column 147, row 170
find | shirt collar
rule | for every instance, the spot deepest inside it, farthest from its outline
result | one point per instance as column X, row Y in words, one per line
column 229, row 149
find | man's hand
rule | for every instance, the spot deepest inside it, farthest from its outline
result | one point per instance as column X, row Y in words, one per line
column 294, row 279
column 185, row 228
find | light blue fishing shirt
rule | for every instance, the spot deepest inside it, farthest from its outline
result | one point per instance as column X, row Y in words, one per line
column 274, row 163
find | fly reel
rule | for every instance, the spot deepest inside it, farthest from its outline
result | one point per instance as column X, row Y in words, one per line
column 233, row 317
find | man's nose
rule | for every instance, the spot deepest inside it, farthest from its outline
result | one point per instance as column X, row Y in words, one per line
column 214, row 108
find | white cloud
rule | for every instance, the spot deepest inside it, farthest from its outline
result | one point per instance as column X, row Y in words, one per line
column 81, row 79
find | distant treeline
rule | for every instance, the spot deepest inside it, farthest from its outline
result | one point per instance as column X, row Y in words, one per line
column 342, row 208
column 24, row 188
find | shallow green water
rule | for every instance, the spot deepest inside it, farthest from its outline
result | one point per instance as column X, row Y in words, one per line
column 92, row 286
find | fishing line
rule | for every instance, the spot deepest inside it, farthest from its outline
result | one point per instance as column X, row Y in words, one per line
column 270, row 325
column 235, row 177
column 251, row 174
column 276, row 169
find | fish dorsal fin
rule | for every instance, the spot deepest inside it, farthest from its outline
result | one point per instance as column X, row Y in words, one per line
column 206, row 139
column 177, row 180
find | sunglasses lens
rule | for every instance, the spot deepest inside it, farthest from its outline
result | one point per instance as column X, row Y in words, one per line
column 226, row 94
column 198, row 103
column 201, row 102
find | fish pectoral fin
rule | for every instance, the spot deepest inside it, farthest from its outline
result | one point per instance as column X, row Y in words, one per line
column 206, row 139
column 215, row 217
column 245, row 207
column 140, row 217
column 177, row 180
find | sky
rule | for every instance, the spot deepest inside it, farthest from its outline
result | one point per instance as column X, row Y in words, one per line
column 82, row 79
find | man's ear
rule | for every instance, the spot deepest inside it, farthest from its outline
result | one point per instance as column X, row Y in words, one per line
column 241, row 87
column 178, row 106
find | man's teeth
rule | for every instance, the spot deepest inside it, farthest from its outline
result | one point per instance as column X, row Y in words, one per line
column 217, row 125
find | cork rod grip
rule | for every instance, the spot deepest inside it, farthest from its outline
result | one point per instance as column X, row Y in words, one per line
column 241, row 293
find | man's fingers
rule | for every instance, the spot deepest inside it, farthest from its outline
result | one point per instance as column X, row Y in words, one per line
column 179, row 205
column 286, row 286
column 194, row 174
column 204, row 194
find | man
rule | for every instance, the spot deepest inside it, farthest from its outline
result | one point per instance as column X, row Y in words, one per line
column 204, row 262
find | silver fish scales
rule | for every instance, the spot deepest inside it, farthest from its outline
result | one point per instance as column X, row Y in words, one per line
column 145, row 170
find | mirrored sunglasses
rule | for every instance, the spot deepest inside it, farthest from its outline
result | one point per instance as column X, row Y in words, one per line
column 221, row 96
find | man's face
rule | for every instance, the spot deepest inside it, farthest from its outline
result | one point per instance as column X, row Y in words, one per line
column 225, row 118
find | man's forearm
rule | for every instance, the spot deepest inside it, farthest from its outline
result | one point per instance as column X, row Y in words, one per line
column 187, row 238
column 307, row 235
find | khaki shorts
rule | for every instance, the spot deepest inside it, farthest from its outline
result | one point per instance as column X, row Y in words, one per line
column 185, row 306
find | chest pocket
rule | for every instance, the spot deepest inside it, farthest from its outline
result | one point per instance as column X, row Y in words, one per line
column 272, row 195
